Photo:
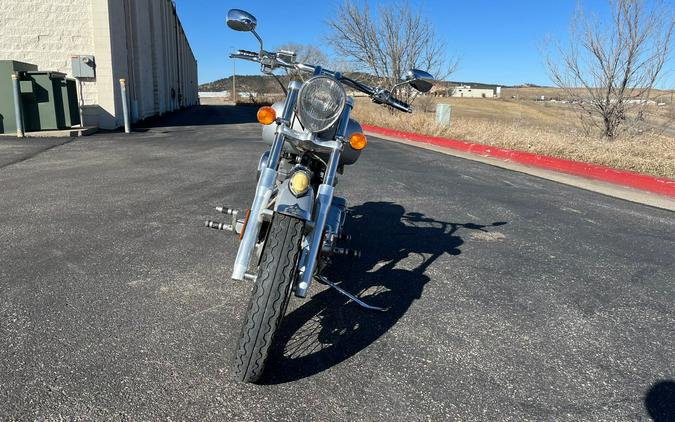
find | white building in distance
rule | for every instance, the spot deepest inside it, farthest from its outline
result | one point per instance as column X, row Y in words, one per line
column 467, row 91
column 214, row 94
column 141, row 41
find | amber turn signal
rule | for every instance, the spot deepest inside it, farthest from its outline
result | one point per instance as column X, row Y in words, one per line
column 266, row 115
column 358, row 141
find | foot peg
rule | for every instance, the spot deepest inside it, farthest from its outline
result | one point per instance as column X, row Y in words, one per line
column 342, row 291
column 235, row 226
column 228, row 211
column 218, row 226
column 349, row 253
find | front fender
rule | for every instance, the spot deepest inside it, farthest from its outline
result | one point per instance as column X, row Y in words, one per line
column 289, row 204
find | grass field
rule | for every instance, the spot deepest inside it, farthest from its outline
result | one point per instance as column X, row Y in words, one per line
column 540, row 127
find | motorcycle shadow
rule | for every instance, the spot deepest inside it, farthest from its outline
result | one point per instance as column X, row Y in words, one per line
column 397, row 248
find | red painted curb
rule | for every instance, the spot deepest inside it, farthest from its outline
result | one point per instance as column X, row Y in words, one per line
column 661, row 185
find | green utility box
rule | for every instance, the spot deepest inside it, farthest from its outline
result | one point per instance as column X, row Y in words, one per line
column 52, row 104
column 7, row 116
column 48, row 99
column 71, row 111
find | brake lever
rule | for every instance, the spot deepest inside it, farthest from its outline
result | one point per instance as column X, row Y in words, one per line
column 384, row 96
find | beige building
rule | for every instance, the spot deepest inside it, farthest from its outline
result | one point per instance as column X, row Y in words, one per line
column 467, row 91
column 141, row 41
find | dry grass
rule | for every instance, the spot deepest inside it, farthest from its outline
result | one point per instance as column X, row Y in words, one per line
column 532, row 93
column 541, row 128
column 261, row 100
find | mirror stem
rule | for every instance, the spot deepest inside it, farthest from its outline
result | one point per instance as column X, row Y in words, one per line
column 397, row 85
column 259, row 39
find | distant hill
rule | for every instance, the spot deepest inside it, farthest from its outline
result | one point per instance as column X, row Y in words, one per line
column 530, row 86
column 267, row 84
column 246, row 83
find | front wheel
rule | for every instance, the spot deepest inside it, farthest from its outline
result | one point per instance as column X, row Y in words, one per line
column 269, row 298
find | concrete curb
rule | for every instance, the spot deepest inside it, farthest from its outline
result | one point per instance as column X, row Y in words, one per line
column 660, row 185
column 62, row 133
column 606, row 188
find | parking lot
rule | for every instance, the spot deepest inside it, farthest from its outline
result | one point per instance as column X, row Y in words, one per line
column 512, row 297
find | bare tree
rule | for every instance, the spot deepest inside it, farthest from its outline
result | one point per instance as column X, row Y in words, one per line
column 609, row 69
column 397, row 39
column 305, row 53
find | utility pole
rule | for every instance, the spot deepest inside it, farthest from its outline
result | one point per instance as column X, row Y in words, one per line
column 234, row 81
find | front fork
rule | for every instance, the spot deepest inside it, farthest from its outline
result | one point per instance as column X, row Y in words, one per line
column 324, row 199
column 263, row 190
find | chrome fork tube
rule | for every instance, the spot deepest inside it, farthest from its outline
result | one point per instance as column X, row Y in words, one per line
column 324, row 199
column 264, row 190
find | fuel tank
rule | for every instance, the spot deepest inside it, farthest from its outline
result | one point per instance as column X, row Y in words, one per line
column 349, row 155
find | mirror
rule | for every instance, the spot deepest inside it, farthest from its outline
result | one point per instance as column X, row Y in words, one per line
column 419, row 79
column 240, row 20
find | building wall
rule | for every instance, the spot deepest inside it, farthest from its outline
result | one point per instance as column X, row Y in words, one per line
column 161, row 65
column 29, row 33
column 141, row 41
column 468, row 92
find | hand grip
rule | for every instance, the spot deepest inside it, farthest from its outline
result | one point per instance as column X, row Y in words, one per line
column 393, row 102
column 400, row 105
column 247, row 53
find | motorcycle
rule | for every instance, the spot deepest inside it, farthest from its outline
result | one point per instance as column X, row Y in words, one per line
column 293, row 227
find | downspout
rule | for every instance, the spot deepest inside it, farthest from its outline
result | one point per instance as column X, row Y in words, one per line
column 180, row 90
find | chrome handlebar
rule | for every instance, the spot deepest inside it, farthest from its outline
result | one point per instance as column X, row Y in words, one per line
column 270, row 61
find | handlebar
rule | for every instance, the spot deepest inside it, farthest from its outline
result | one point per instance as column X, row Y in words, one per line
column 397, row 104
column 272, row 61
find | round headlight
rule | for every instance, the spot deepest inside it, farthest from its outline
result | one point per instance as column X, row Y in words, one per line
column 320, row 103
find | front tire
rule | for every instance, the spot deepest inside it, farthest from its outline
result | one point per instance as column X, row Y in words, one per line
column 269, row 298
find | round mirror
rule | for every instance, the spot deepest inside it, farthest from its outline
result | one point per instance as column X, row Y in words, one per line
column 240, row 20
column 419, row 79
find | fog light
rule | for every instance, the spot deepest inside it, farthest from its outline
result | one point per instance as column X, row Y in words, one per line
column 299, row 183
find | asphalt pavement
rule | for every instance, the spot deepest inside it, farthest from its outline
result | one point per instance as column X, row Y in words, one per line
column 512, row 297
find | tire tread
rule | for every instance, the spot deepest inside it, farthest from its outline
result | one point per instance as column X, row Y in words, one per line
column 269, row 298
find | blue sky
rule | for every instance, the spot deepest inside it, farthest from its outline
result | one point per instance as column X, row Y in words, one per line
column 498, row 41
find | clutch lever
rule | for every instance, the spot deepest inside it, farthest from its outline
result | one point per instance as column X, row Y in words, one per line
column 246, row 55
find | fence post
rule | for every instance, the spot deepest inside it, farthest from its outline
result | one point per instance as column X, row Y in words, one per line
column 18, row 109
column 125, row 106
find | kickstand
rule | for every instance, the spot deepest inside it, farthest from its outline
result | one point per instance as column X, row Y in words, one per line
column 361, row 303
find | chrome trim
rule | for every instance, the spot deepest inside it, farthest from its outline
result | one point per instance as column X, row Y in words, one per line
column 299, row 139
column 262, row 163
column 324, row 198
column 262, row 196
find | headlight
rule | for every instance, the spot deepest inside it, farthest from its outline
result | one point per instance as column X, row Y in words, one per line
column 320, row 103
